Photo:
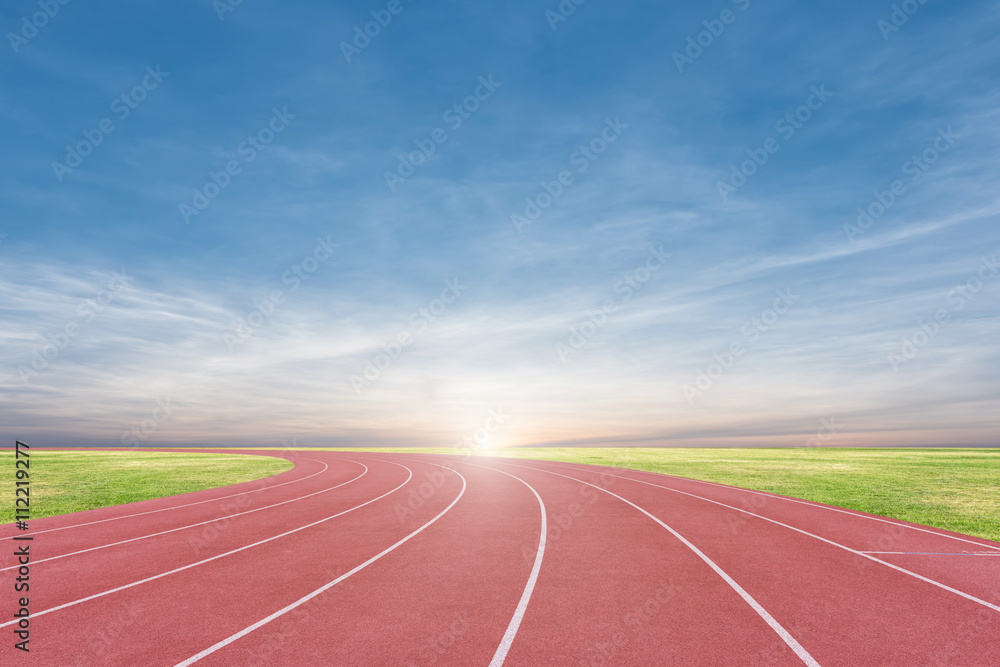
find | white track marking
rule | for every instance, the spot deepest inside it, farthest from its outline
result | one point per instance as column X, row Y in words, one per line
column 222, row 555
column 177, row 507
column 802, row 502
column 821, row 539
column 789, row 640
column 522, row 605
column 193, row 525
column 992, row 554
column 284, row 610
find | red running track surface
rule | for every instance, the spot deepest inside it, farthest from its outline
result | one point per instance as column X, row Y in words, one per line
column 390, row 559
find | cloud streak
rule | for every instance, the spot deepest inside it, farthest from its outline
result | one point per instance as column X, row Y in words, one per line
column 248, row 349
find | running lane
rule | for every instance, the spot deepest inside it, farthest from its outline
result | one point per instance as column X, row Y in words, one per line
column 357, row 558
column 933, row 600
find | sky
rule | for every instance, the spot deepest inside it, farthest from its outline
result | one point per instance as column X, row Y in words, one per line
column 403, row 223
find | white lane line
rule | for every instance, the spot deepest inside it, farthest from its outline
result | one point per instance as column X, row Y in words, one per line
column 789, row 640
column 201, row 523
column 522, row 605
column 992, row 554
column 177, row 507
column 222, row 555
column 806, row 502
column 823, row 539
column 284, row 610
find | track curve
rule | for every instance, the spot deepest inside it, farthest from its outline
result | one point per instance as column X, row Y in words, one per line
column 389, row 559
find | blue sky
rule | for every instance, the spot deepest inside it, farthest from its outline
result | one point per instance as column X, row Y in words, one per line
column 230, row 264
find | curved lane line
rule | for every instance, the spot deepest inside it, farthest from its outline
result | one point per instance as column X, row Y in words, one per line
column 177, row 507
column 222, row 555
column 777, row 627
column 193, row 525
column 529, row 587
column 822, row 539
column 284, row 610
column 842, row 510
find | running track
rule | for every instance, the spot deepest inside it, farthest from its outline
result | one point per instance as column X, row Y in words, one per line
column 388, row 559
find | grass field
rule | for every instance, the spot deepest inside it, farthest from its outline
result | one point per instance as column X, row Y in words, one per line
column 63, row 482
column 955, row 489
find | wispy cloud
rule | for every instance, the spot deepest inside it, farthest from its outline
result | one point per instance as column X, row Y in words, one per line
column 853, row 301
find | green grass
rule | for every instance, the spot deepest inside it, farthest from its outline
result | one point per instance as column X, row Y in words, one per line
column 954, row 489
column 65, row 481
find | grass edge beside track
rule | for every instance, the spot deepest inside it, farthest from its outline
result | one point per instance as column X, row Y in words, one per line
column 952, row 489
column 65, row 481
